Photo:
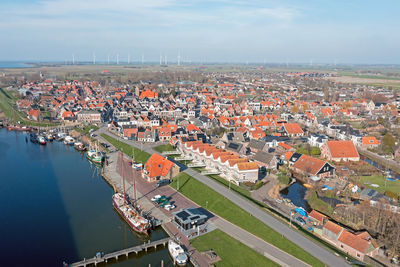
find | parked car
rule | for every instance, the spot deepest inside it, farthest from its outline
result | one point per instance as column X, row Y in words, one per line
column 300, row 220
column 161, row 200
column 164, row 203
column 169, row 207
column 156, row 197
column 163, row 182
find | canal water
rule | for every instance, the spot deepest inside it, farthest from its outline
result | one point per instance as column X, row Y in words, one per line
column 55, row 207
column 296, row 193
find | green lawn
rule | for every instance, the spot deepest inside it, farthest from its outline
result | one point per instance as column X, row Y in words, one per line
column 320, row 205
column 86, row 129
column 230, row 250
column 380, row 180
column 162, row 148
column 242, row 191
column 139, row 155
column 221, row 206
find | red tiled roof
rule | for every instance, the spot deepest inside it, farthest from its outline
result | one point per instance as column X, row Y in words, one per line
column 333, row 227
column 354, row 241
column 370, row 140
column 292, row 128
column 342, row 149
column 309, row 164
column 157, row 165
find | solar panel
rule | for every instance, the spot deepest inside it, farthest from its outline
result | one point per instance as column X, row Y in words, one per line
column 233, row 145
column 183, row 215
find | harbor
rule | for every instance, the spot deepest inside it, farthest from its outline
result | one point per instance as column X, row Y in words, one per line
column 68, row 208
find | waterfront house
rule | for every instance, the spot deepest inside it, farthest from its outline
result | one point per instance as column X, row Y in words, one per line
column 159, row 168
column 369, row 142
column 340, row 151
column 89, row 116
column 311, row 167
column 35, row 115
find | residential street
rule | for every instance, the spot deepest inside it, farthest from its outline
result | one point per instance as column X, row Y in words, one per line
column 317, row 251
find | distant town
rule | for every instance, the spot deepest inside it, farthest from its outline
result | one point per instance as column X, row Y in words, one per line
column 317, row 154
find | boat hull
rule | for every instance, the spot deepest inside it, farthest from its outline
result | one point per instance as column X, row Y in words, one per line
column 94, row 159
column 140, row 231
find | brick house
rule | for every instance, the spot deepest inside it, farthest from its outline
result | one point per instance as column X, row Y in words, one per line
column 339, row 151
column 369, row 142
column 159, row 168
column 35, row 115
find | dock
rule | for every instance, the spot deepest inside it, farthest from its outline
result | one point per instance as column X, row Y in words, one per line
column 120, row 253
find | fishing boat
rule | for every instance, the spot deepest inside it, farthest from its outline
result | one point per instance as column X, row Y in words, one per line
column 19, row 128
column 177, row 253
column 68, row 140
column 79, row 146
column 41, row 140
column 95, row 156
column 130, row 214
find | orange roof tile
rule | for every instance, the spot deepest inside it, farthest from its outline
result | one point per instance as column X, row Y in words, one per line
column 333, row 227
column 342, row 149
column 157, row 165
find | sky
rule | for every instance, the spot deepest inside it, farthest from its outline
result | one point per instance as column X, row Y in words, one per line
column 323, row 31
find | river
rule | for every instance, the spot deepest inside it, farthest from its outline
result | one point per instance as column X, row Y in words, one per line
column 55, row 207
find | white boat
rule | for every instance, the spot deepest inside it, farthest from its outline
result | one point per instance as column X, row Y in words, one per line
column 177, row 253
column 41, row 140
column 68, row 140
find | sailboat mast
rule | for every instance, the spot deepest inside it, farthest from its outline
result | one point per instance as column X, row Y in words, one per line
column 134, row 184
column 123, row 177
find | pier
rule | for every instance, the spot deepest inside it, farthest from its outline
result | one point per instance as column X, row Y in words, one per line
column 124, row 252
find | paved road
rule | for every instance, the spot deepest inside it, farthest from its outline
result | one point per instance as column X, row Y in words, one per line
column 317, row 251
column 259, row 245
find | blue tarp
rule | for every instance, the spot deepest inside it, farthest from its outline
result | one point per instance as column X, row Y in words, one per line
column 301, row 211
column 328, row 187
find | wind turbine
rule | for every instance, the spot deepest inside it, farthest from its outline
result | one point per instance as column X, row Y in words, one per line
column 108, row 59
column 117, row 59
column 94, row 58
column 142, row 58
column 73, row 59
column 179, row 58
column 129, row 59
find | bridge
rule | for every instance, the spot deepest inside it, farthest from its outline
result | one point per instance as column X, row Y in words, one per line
column 115, row 255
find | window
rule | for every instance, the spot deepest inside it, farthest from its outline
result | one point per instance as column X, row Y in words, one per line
column 341, row 246
column 358, row 255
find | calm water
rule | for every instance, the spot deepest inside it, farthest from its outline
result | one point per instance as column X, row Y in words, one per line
column 55, row 207
column 14, row 64
column 296, row 192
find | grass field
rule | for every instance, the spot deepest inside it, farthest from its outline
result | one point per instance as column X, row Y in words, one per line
column 162, row 148
column 138, row 155
column 380, row 180
column 230, row 250
column 86, row 129
column 208, row 198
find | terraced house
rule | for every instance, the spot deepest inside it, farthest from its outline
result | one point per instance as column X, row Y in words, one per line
column 228, row 164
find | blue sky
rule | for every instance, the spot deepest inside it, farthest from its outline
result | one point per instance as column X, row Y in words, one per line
column 352, row 31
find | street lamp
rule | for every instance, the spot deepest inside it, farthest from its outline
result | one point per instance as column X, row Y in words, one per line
column 206, row 204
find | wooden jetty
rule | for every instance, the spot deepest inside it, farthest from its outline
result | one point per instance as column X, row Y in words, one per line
column 124, row 252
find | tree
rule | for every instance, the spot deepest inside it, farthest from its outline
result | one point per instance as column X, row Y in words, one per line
column 388, row 143
column 294, row 109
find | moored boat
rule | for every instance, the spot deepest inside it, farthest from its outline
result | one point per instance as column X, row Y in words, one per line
column 130, row 214
column 95, row 156
column 79, row 146
column 41, row 140
column 49, row 137
column 19, row 128
column 177, row 253
column 68, row 140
